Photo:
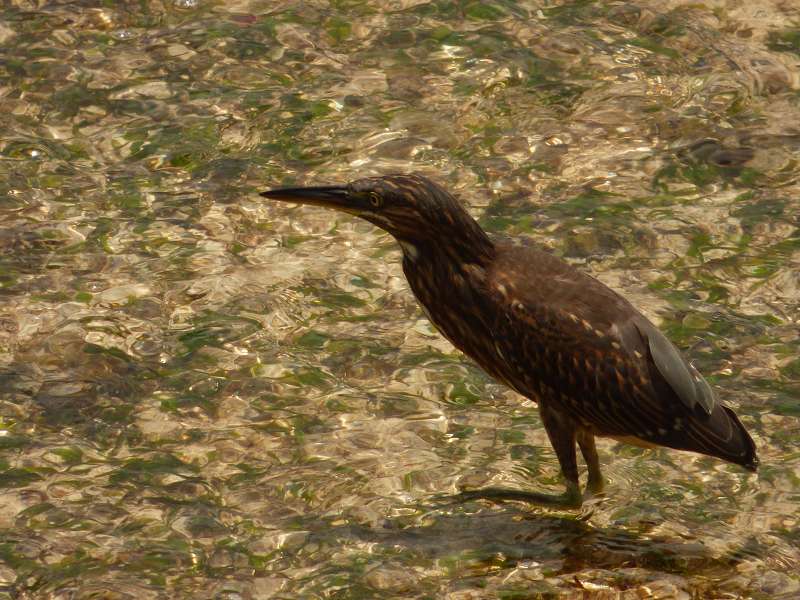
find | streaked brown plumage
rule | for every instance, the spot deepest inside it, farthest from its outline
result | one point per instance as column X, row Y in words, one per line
column 594, row 364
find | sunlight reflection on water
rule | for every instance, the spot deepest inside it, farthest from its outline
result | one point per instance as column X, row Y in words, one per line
column 202, row 394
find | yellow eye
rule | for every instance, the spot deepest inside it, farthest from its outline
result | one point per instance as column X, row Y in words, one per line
column 375, row 200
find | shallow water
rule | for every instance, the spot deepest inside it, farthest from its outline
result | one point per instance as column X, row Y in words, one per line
column 207, row 395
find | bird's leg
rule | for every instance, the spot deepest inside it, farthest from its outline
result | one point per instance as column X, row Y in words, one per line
column 562, row 432
column 595, row 483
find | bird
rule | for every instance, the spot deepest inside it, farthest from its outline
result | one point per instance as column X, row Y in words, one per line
column 592, row 362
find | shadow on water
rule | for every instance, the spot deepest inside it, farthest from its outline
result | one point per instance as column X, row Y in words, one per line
column 508, row 536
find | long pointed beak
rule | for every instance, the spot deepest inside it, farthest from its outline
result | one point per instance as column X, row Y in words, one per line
column 332, row 196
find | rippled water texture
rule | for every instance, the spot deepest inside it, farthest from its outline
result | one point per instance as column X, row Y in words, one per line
column 206, row 395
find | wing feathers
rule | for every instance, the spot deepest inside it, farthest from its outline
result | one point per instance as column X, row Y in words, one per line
column 684, row 379
column 587, row 351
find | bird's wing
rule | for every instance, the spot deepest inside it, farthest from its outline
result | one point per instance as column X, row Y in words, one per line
column 680, row 374
column 585, row 340
column 578, row 344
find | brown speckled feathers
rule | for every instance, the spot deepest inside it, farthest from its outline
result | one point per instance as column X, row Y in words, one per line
column 562, row 337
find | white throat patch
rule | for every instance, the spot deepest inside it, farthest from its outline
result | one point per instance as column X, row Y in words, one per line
column 409, row 251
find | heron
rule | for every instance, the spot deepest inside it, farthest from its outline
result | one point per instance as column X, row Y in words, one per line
column 592, row 362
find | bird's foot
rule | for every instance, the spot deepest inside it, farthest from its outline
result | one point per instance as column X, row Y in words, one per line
column 570, row 499
column 595, row 487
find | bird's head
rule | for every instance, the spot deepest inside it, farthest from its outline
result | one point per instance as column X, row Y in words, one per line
column 414, row 209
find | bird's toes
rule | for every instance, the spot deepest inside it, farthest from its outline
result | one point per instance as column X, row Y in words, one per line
column 567, row 500
column 439, row 501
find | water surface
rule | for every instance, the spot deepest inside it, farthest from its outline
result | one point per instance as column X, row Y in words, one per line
column 206, row 395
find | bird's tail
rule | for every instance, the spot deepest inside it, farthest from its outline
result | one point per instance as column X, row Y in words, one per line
column 721, row 434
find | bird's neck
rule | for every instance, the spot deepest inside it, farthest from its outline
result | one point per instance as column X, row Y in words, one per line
column 462, row 243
